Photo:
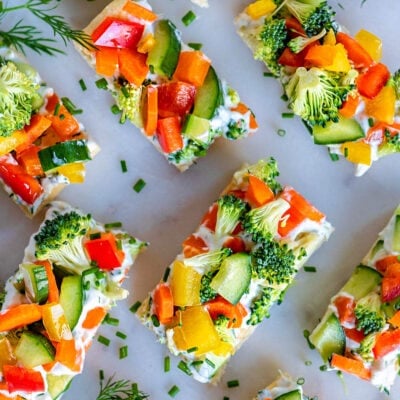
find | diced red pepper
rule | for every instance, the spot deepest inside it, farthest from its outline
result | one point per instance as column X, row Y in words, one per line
column 356, row 53
column 30, row 161
column 386, row 342
column 104, row 251
column 235, row 243
column 193, row 246
column 371, row 82
column 21, row 183
column 354, row 334
column 175, row 98
column 114, row 32
column 390, row 286
column 169, row 134
column 383, row 264
column 23, row 379
column 210, row 218
column 345, row 307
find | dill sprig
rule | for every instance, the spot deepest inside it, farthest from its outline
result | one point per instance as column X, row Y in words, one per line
column 119, row 390
column 21, row 36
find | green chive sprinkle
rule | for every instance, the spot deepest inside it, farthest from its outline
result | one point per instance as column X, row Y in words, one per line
column 210, row 363
column 115, row 109
column 70, row 106
column 121, row 335
column 281, row 132
column 370, row 122
column 192, row 349
column 268, row 74
column 101, row 83
column 124, row 168
column 166, row 274
column 139, row 185
column 341, row 6
column 323, row 368
column 310, row 268
column 101, row 374
column 195, row 46
column 103, row 340
column 123, row 352
column 300, row 381
column 184, row 367
column 155, row 320
column 226, row 398
column 135, row 307
column 287, row 115
column 167, row 364
column 306, row 334
column 188, row 18
column 308, row 363
column 111, row 321
column 196, row 363
column 56, row 109
column 173, row 391
column 284, row 97
column 82, row 84
column 346, row 151
column 111, row 225
column 96, row 235
column 62, row 117
column 334, row 156
column 124, row 91
column 233, row 383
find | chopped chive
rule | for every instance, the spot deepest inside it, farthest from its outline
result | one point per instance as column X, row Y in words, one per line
column 310, row 268
column 135, row 307
column 111, row 321
column 225, row 398
column 101, row 374
column 306, row 334
column 62, row 117
column 370, row 122
column 166, row 274
column 82, row 84
column 123, row 352
column 308, row 363
column 121, row 335
column 323, row 368
column 196, row 363
column 167, row 364
column 102, row 83
column 96, row 235
column 334, row 156
column 268, row 74
column 287, row 115
column 124, row 91
column 284, row 97
column 184, row 367
column 233, row 383
column 281, row 132
column 346, row 152
column 195, row 46
column 188, row 18
column 139, row 185
column 341, row 6
column 119, row 244
column 115, row 109
column 300, row 381
column 155, row 320
column 124, row 168
column 192, row 349
column 210, row 363
column 339, row 373
column 70, row 106
column 111, row 225
column 103, row 340
column 56, row 109
column 173, row 391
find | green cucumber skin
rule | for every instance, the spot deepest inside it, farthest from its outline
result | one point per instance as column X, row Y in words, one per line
column 293, row 395
column 35, row 281
column 71, row 298
column 396, row 234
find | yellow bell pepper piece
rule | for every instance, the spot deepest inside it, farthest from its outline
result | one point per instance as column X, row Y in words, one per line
column 382, row 107
column 146, row 43
column 223, row 349
column 196, row 331
column 371, row 43
column 357, row 152
column 6, row 353
column 11, row 142
column 185, row 285
column 55, row 322
column 75, row 172
column 340, row 62
column 330, row 38
column 260, row 8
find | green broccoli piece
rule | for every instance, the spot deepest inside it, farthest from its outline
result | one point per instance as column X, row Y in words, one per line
column 370, row 318
column 271, row 42
column 273, row 262
column 267, row 171
column 394, row 81
column 128, row 98
column 191, row 151
column 224, row 331
column 261, row 306
column 390, row 145
column 236, row 129
column 302, row 10
column 206, row 262
column 299, row 43
column 60, row 241
column 262, row 222
column 18, row 92
column 366, row 346
column 207, row 293
column 230, row 210
column 316, row 95
column 321, row 18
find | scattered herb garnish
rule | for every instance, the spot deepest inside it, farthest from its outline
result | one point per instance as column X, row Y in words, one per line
column 281, row 132
column 124, row 168
column 310, row 268
column 306, row 334
column 103, row 340
column 135, row 307
column 111, row 225
column 167, row 364
column 82, row 84
column 123, row 352
column 119, row 390
column 233, row 383
column 139, row 185
column 173, row 391
column 121, row 335
column 188, row 18
column 195, row 46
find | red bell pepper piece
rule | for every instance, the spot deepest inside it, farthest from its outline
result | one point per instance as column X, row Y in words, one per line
column 163, row 303
column 356, row 53
column 235, row 243
column 354, row 334
column 193, row 246
column 104, row 251
column 210, row 218
column 386, row 342
column 21, row 183
column 23, row 379
column 345, row 307
column 390, row 286
column 114, row 32
column 372, row 81
column 169, row 134
column 175, row 98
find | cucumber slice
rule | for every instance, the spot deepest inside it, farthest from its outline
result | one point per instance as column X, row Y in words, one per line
column 345, row 130
column 164, row 56
column 34, row 349
column 396, row 234
column 209, row 96
column 196, row 128
column 293, row 395
column 71, row 298
column 36, row 282
column 63, row 153
column 328, row 337
column 378, row 246
column 57, row 384
column 233, row 277
column 363, row 280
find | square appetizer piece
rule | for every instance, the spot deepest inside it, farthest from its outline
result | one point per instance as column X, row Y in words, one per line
column 70, row 277
column 360, row 331
column 43, row 147
column 168, row 90
column 333, row 81
column 232, row 269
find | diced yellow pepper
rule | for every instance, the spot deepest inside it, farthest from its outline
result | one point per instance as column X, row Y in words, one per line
column 146, row 43
column 223, row 349
column 196, row 331
column 185, row 285
column 340, row 62
column 6, row 353
column 357, row 152
column 371, row 43
column 330, row 38
column 55, row 322
column 11, row 142
column 74, row 172
column 260, row 8
column 382, row 107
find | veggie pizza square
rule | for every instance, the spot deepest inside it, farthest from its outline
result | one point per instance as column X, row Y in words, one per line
column 70, row 277
column 335, row 82
column 43, row 147
column 232, row 269
column 360, row 332
column 164, row 87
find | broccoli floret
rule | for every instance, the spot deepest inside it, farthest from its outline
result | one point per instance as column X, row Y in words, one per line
column 128, row 98
column 394, row 81
column 273, row 262
column 370, row 318
column 191, row 150
column 60, row 240
column 262, row 222
column 321, row 18
column 260, row 307
column 206, row 291
column 206, row 262
column 18, row 91
column 271, row 42
column 299, row 43
column 267, row 171
column 301, row 9
column 316, row 95
column 366, row 346
column 230, row 210
column 236, row 129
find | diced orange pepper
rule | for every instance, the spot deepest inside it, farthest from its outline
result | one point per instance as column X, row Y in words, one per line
column 68, row 355
column 243, row 109
column 106, row 61
column 30, row 161
column 258, row 192
column 382, row 107
column 138, row 11
column 132, row 66
column 94, row 318
column 192, row 67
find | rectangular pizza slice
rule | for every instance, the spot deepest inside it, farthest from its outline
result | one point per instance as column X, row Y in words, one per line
column 239, row 262
column 360, row 332
column 43, row 147
column 70, row 276
column 168, row 90
column 333, row 81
